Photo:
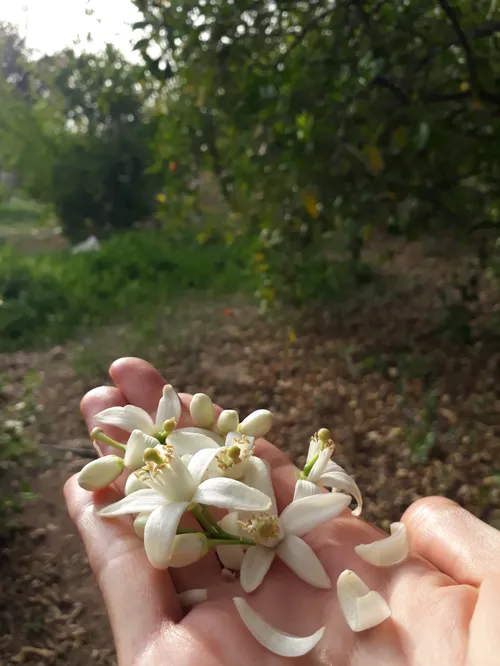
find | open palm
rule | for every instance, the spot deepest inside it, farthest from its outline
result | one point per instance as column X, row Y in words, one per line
column 444, row 598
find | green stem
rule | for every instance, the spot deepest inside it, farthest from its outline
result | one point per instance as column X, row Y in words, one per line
column 225, row 536
column 235, row 541
column 202, row 520
column 97, row 433
column 185, row 530
column 210, row 519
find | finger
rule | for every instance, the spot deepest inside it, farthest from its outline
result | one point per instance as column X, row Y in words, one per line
column 138, row 597
column 142, row 386
column 94, row 402
column 484, row 632
column 452, row 539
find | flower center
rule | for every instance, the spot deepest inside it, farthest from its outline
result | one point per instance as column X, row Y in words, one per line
column 156, row 460
column 264, row 529
column 235, row 454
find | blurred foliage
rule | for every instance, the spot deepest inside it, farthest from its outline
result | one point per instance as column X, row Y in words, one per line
column 48, row 297
column 306, row 127
column 326, row 121
column 17, row 449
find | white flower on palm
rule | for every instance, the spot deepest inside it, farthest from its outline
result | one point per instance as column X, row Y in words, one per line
column 173, row 488
column 144, row 429
column 281, row 535
column 324, row 473
column 130, row 417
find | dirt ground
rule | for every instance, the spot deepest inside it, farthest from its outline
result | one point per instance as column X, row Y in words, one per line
column 412, row 412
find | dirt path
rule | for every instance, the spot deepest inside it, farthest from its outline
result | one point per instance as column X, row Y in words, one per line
column 378, row 376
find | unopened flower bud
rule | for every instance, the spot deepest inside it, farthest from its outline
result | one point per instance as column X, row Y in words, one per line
column 188, row 548
column 227, row 422
column 202, row 411
column 133, row 484
column 257, row 424
column 140, row 523
column 100, row 473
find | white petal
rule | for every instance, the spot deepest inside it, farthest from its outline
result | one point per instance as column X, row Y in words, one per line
column 160, row 532
column 127, row 418
column 305, row 488
column 100, row 473
column 169, row 407
column 192, row 597
column 361, row 607
column 187, row 549
column 303, row 515
column 235, row 437
column 282, row 644
column 203, row 431
column 231, row 494
column 189, row 443
column 133, row 484
column 256, row 563
column 314, row 447
column 142, row 500
column 336, row 477
column 257, row 424
column 258, row 475
column 386, row 552
column 302, row 560
column 199, row 464
column 201, row 409
column 320, row 465
column 140, row 523
column 231, row 556
column 137, row 443
column 228, row 421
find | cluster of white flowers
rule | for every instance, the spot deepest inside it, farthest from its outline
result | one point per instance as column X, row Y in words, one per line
column 213, row 464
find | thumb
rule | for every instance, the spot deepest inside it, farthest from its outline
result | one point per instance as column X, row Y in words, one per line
column 139, row 599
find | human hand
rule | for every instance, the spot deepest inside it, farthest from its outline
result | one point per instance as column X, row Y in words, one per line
column 444, row 598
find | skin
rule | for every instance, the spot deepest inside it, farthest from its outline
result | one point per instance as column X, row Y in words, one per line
column 444, row 598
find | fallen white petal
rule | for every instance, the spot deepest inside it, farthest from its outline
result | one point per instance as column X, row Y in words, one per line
column 336, row 477
column 202, row 410
column 140, row 524
column 133, row 484
column 255, row 565
column 142, row 500
column 160, row 532
column 386, row 552
column 257, row 424
column 137, row 443
column 199, row 464
column 305, row 488
column 203, row 431
column 169, row 407
column 228, row 421
column 362, row 608
column 192, row 597
column 127, row 418
column 189, row 443
column 100, row 473
column 282, row 644
column 303, row 515
column 303, row 561
column 230, row 494
column 258, row 475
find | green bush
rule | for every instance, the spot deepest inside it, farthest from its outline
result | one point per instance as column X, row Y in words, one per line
column 47, row 298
